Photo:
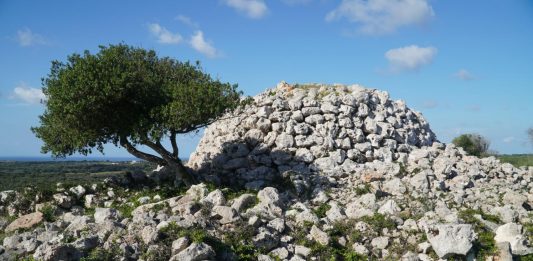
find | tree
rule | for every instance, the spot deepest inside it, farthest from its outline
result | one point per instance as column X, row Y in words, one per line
column 128, row 97
column 473, row 144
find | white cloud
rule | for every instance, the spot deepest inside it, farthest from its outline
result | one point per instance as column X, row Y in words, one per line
column 28, row 95
column 187, row 21
column 430, row 104
column 201, row 45
column 464, row 75
column 163, row 35
column 296, row 2
column 252, row 8
column 26, row 37
column 409, row 58
column 509, row 139
column 382, row 16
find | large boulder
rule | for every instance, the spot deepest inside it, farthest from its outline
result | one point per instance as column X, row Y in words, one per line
column 451, row 239
column 26, row 221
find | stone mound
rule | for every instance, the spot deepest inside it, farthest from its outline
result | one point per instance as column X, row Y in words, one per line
column 310, row 128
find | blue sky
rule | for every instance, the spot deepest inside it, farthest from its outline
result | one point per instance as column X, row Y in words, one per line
column 466, row 65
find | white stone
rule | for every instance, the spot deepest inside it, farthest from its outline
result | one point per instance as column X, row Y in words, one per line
column 447, row 240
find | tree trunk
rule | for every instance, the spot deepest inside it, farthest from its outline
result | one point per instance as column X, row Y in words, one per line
column 182, row 173
column 174, row 162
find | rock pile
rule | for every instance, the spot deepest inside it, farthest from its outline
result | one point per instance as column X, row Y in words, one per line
column 309, row 129
column 308, row 172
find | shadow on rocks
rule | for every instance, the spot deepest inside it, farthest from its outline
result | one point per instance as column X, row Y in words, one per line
column 250, row 164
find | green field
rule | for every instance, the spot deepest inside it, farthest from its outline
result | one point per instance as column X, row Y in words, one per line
column 517, row 160
column 45, row 174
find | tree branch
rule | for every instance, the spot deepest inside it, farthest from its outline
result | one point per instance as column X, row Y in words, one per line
column 157, row 147
column 124, row 142
column 175, row 151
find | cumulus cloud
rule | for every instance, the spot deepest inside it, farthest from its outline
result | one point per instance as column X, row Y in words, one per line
column 203, row 46
column 409, row 58
column 252, row 8
column 163, row 35
column 28, row 95
column 25, row 38
column 187, row 21
column 464, row 75
column 382, row 16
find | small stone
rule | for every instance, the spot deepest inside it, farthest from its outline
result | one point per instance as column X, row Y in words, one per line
column 78, row 191
column 179, row 244
column 101, row 215
column 195, row 252
column 389, row 208
column 360, row 249
column 225, row 214
column 319, row 235
column 302, row 250
column 380, row 242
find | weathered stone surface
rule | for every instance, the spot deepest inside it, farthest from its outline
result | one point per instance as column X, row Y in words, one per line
column 319, row 235
column 448, row 240
column 102, row 215
column 512, row 233
column 195, row 252
column 26, row 221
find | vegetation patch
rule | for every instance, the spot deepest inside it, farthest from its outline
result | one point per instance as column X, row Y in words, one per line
column 321, row 210
column 485, row 245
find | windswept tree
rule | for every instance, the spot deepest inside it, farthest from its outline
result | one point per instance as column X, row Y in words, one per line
column 473, row 144
column 128, row 97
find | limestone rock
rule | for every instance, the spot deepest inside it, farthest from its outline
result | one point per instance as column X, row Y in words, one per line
column 447, row 240
column 512, row 233
column 26, row 221
column 195, row 252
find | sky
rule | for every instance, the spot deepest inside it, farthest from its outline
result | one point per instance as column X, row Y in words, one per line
column 466, row 65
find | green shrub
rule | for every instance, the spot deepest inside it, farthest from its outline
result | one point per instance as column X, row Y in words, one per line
column 49, row 213
column 321, row 210
column 473, row 144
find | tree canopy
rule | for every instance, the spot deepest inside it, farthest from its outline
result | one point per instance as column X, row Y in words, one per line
column 128, row 96
column 473, row 144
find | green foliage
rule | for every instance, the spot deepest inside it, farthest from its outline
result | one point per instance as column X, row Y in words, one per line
column 44, row 175
column 525, row 258
column 378, row 222
column 468, row 216
column 101, row 254
column 333, row 251
column 237, row 241
column 473, row 144
column 321, row 210
column 485, row 245
column 363, row 189
column 127, row 96
column 49, row 213
column 518, row 160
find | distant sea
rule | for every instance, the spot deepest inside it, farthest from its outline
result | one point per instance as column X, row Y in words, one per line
column 68, row 159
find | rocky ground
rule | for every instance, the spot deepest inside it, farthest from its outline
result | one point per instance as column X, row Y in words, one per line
column 306, row 173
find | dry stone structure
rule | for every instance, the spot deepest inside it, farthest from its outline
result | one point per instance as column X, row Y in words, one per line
column 307, row 129
column 341, row 172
